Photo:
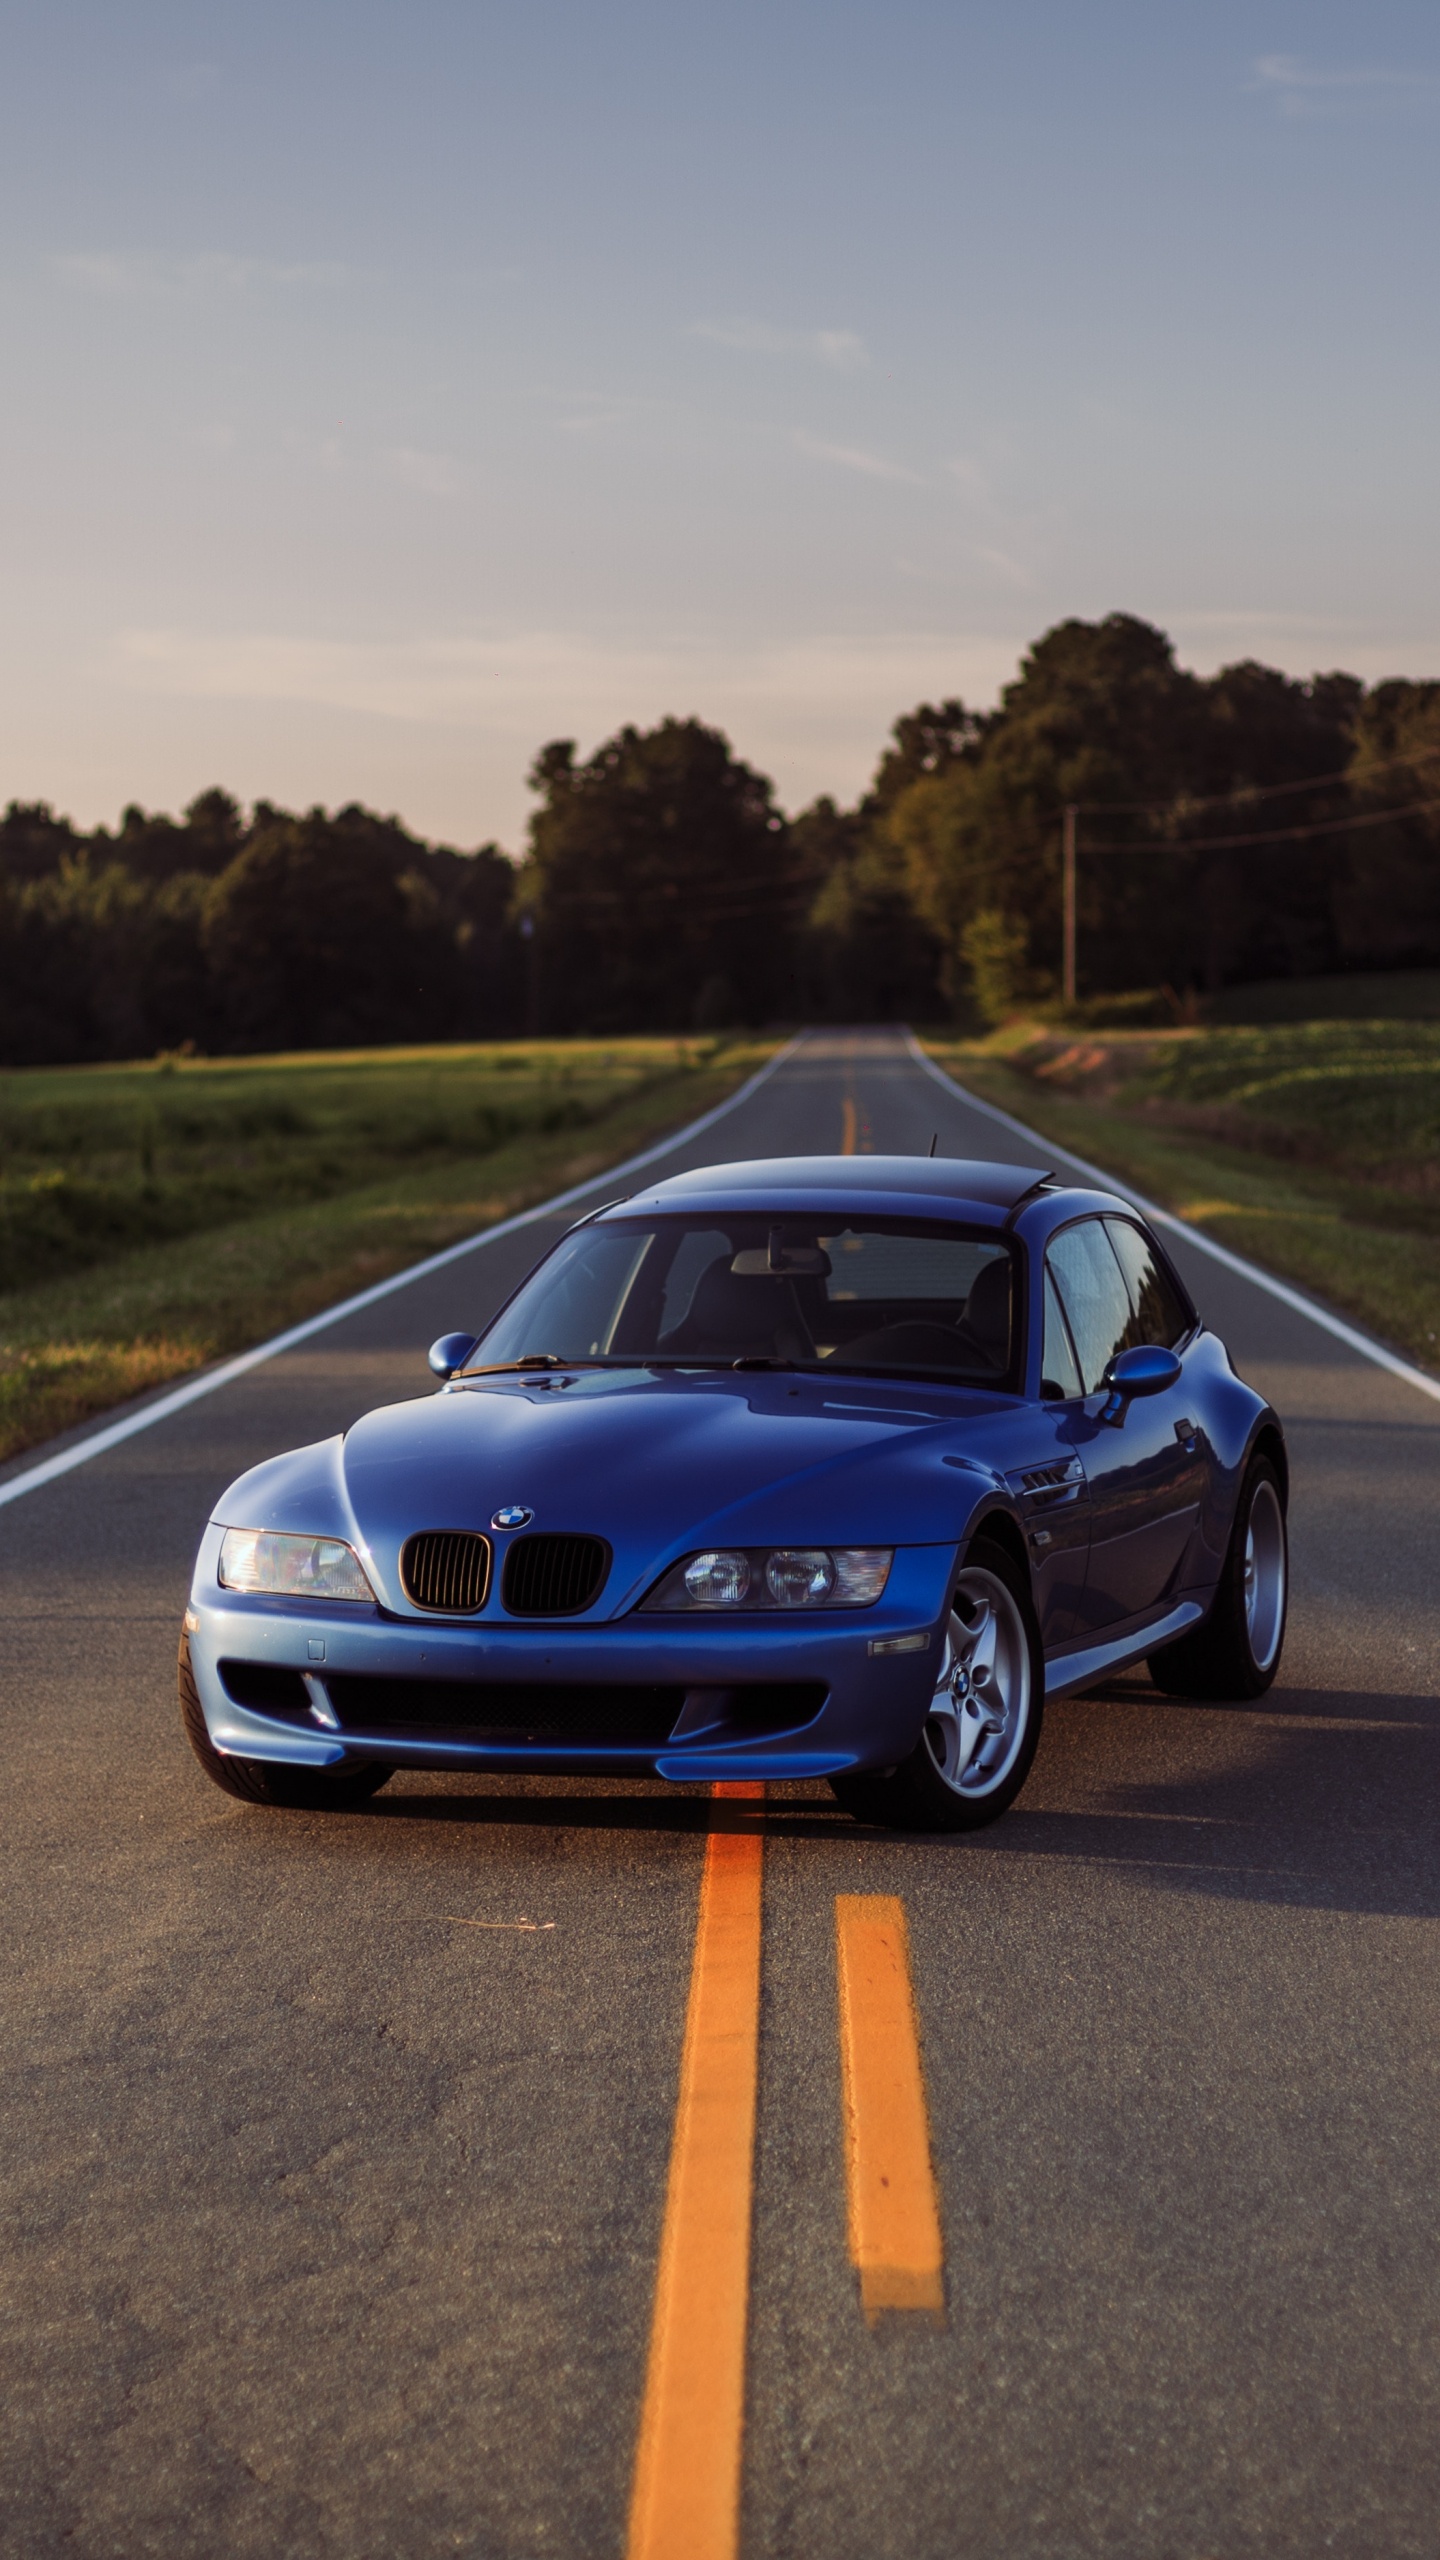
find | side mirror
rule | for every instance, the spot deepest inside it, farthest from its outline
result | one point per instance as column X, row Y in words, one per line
column 451, row 1353
column 1145, row 1370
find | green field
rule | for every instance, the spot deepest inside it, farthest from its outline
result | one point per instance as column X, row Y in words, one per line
column 155, row 1217
column 1313, row 1147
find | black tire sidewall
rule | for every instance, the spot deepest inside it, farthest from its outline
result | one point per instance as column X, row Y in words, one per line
column 914, row 1797
column 1216, row 1661
column 271, row 1782
column 1237, row 1633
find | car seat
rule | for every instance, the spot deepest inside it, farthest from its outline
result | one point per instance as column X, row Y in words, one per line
column 734, row 1316
column 987, row 1311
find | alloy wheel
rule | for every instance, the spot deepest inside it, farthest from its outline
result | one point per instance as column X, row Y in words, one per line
column 981, row 1705
column 1264, row 1575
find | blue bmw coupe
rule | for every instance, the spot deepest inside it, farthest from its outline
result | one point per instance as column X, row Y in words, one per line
column 814, row 1467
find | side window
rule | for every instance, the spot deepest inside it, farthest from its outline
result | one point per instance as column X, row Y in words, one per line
column 1095, row 1298
column 1059, row 1376
column 1160, row 1313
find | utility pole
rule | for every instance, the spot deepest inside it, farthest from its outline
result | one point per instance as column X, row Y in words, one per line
column 1067, row 973
column 532, row 975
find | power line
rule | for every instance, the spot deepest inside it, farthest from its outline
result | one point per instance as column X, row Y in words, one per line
column 1203, row 844
column 1246, row 792
column 1272, row 835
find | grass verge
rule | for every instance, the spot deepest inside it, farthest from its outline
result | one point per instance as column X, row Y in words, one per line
column 140, row 1316
column 1309, row 1148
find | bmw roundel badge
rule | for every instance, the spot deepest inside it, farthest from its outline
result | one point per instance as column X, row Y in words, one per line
column 512, row 1515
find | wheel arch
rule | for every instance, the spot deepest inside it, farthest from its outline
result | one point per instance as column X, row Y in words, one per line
column 1003, row 1530
column 1269, row 1442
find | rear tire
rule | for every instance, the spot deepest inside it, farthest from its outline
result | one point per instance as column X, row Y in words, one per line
column 974, row 1754
column 1235, row 1651
column 274, row 1782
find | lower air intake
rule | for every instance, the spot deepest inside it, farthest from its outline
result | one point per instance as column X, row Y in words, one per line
column 446, row 1569
column 505, row 1712
column 553, row 1576
column 266, row 1687
column 567, row 1714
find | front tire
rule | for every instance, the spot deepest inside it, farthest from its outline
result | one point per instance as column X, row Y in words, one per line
column 274, row 1782
column 979, row 1738
column 1235, row 1651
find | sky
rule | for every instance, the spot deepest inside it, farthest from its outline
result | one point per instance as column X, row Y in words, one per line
column 389, row 389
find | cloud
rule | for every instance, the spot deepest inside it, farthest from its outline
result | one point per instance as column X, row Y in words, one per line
column 851, row 458
column 433, row 475
column 1304, row 89
column 970, row 477
column 599, row 414
column 525, row 686
column 1247, row 627
column 119, row 278
column 445, row 726
column 1008, row 534
column 840, row 349
column 956, row 572
column 1014, row 572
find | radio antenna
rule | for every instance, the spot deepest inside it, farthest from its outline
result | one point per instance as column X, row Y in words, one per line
column 933, row 1142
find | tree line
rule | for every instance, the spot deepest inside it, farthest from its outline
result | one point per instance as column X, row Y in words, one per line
column 1242, row 825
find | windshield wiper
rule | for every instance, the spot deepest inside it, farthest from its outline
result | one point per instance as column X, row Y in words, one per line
column 549, row 1360
column 530, row 1360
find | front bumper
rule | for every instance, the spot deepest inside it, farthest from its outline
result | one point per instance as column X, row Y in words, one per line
column 864, row 1709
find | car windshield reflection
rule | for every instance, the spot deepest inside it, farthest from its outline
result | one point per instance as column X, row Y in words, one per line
column 907, row 1297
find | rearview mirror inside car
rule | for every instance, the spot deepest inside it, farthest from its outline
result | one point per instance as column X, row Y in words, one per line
column 777, row 1261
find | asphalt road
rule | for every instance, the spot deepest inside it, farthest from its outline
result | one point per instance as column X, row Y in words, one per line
column 333, row 2221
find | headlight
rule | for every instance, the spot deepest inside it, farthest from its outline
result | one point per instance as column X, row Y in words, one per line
column 291, row 1568
column 799, row 1577
column 719, row 1579
column 776, row 1578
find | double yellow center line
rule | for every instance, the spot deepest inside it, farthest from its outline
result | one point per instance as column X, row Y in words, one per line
column 685, row 2504
column 686, row 2500
column 894, row 2217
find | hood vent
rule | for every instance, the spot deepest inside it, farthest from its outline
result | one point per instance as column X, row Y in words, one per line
column 553, row 1576
column 446, row 1569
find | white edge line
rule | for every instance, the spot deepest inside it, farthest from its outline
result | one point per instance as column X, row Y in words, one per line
column 1288, row 1297
column 97, row 1442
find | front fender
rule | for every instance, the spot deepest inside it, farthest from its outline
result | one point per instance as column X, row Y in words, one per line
column 303, row 1490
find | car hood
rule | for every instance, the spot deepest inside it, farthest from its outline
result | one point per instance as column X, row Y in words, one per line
column 656, row 1465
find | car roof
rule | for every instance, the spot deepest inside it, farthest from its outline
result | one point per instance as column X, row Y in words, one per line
column 945, row 1183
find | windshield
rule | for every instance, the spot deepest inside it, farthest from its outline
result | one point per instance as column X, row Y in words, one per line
column 884, row 1294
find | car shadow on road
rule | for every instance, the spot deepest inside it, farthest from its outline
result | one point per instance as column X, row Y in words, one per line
column 616, row 1804
column 1312, row 1797
column 1325, row 1798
